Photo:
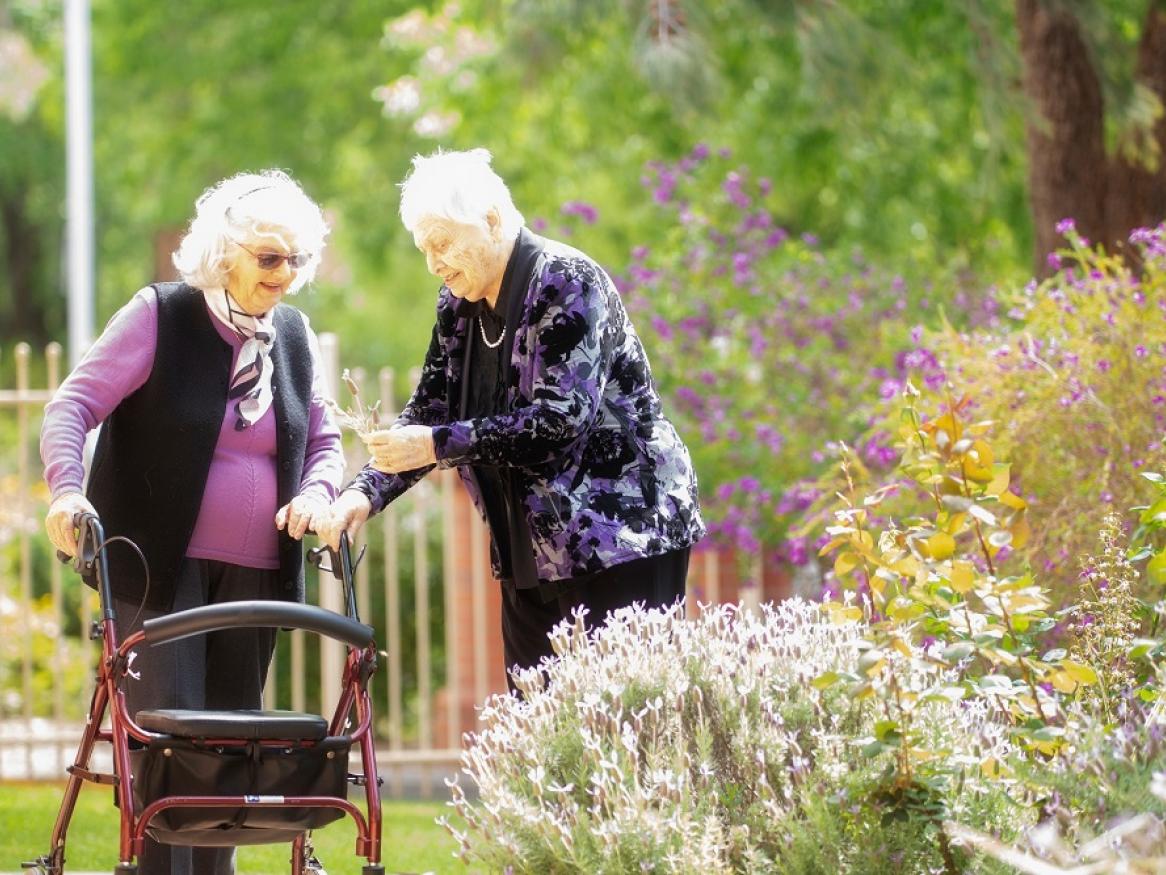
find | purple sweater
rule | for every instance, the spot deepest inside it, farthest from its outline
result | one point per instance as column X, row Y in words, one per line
column 236, row 521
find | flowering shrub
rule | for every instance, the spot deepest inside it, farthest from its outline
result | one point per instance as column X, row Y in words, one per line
column 766, row 345
column 665, row 745
column 1074, row 379
column 1103, row 802
column 1080, row 708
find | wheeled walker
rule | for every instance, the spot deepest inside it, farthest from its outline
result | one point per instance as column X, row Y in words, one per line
column 216, row 778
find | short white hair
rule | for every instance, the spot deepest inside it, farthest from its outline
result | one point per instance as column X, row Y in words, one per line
column 460, row 186
column 265, row 204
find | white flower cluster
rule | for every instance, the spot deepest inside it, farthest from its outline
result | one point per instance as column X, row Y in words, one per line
column 657, row 743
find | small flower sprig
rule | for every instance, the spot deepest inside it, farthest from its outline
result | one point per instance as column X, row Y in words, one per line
column 361, row 420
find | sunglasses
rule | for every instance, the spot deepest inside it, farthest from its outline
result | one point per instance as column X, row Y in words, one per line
column 272, row 260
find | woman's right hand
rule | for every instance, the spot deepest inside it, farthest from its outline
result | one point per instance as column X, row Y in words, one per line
column 347, row 513
column 59, row 522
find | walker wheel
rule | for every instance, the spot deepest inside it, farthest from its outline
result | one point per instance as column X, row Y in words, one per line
column 41, row 866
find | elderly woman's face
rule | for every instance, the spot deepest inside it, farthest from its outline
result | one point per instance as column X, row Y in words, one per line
column 262, row 271
column 465, row 257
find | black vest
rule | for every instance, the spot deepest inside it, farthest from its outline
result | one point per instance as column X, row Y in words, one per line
column 154, row 451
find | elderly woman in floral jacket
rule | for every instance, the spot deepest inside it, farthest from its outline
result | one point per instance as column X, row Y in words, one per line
column 537, row 389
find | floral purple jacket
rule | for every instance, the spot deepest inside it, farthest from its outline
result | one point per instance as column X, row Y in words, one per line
column 604, row 477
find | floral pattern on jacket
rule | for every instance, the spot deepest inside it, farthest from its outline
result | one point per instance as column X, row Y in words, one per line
column 604, row 477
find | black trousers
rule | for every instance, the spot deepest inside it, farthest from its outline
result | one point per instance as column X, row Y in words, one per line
column 527, row 620
column 220, row 671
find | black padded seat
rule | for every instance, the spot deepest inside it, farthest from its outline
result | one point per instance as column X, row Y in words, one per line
column 251, row 725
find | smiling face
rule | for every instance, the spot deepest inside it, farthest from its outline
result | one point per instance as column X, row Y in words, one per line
column 254, row 288
column 469, row 259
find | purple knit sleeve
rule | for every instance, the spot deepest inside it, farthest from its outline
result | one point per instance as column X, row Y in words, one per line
column 324, row 458
column 116, row 366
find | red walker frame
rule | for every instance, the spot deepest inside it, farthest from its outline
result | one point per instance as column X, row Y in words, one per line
column 360, row 663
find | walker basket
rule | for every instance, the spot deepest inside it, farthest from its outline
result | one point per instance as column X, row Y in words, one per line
column 182, row 767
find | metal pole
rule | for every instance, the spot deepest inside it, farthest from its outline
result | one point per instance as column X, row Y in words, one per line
column 79, row 175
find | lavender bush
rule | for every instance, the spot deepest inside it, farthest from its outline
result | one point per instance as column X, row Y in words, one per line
column 665, row 745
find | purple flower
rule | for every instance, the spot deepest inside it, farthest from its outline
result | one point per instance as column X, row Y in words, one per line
column 1065, row 226
column 1053, row 260
column 661, row 326
column 796, row 552
column 776, row 238
column 588, row 213
column 733, row 187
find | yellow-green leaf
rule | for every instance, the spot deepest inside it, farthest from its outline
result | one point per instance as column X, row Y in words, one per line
column 1079, row 672
column 963, row 576
column 939, row 546
column 1156, row 568
column 846, row 563
column 1001, row 477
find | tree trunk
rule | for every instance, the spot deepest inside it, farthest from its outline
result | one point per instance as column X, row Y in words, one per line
column 1066, row 125
column 21, row 252
column 1137, row 187
column 166, row 240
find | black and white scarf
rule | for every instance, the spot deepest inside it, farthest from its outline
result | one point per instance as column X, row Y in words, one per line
column 251, row 382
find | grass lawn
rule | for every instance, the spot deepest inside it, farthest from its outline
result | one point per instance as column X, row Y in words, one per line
column 411, row 841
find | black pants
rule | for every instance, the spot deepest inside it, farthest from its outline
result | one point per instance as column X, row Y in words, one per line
column 527, row 620
column 220, row 671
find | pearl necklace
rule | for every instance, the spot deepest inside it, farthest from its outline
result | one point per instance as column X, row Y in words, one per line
column 485, row 340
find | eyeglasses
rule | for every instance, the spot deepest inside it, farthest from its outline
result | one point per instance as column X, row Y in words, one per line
column 272, row 260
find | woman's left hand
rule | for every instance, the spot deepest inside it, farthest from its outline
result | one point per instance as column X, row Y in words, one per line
column 401, row 448
column 302, row 514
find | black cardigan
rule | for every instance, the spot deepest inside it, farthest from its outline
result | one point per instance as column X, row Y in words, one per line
column 155, row 450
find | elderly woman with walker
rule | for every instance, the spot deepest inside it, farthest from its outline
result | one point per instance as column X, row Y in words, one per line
column 216, row 452
column 537, row 389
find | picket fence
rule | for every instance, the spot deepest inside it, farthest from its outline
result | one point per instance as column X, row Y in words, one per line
column 442, row 651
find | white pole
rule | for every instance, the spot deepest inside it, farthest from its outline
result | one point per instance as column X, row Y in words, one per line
column 79, row 175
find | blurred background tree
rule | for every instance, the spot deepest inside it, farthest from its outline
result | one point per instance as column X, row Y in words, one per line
column 918, row 153
column 870, row 134
column 32, row 170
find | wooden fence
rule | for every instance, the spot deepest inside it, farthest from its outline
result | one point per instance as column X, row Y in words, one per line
column 425, row 585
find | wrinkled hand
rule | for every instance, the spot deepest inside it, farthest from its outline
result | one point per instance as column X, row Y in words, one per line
column 347, row 514
column 59, row 521
column 301, row 514
column 401, row 448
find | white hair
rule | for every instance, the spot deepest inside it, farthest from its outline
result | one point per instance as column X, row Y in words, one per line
column 460, row 186
column 248, row 205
